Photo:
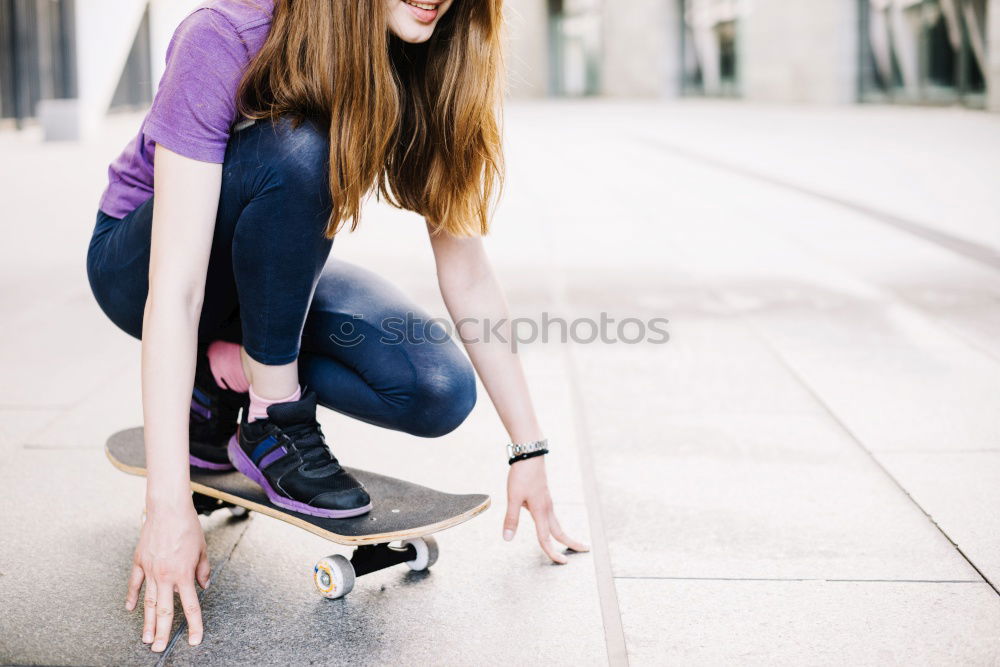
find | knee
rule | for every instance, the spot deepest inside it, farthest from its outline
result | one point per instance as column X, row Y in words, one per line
column 440, row 400
column 284, row 168
column 298, row 153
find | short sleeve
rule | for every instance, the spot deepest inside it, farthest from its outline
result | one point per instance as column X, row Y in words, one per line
column 194, row 108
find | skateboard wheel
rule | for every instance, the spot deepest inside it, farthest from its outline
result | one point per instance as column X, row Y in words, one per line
column 333, row 576
column 238, row 512
column 427, row 553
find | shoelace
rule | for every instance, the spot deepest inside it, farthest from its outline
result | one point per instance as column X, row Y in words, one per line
column 316, row 456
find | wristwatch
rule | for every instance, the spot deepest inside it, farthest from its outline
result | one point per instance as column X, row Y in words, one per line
column 519, row 452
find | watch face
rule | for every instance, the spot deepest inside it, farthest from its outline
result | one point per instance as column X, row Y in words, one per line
column 527, row 448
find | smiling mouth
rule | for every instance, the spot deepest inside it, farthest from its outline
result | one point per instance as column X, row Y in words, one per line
column 425, row 12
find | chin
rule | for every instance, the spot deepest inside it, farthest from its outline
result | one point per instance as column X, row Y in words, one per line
column 413, row 34
column 407, row 27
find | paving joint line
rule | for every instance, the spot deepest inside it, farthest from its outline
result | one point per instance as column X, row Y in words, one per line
column 895, row 293
column 607, row 594
column 36, row 447
column 968, row 249
column 614, row 632
column 860, row 445
column 216, row 571
column 61, row 410
column 797, row 579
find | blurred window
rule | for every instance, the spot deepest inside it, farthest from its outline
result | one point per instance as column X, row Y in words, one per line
column 710, row 41
column 574, row 47
column 924, row 51
column 37, row 54
column 135, row 87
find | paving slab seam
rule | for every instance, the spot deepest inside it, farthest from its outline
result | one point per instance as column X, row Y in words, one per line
column 30, row 446
column 957, row 332
column 607, row 593
column 963, row 247
column 902, row 297
column 69, row 296
column 40, row 407
column 857, row 441
column 216, row 571
column 910, row 581
column 960, row 334
column 939, row 452
column 614, row 632
column 60, row 411
column 45, row 424
column 796, row 579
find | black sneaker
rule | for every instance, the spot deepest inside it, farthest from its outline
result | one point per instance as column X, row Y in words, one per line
column 213, row 419
column 287, row 456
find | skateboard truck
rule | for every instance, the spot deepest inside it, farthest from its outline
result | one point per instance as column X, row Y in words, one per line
column 334, row 575
column 207, row 504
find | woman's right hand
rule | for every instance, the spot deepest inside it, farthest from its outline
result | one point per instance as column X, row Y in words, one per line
column 170, row 556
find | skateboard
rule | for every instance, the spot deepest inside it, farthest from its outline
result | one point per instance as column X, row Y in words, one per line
column 397, row 530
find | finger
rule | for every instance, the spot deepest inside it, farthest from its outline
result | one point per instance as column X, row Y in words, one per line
column 557, row 532
column 542, row 530
column 510, row 520
column 192, row 612
column 204, row 570
column 134, row 585
column 149, row 612
column 164, row 615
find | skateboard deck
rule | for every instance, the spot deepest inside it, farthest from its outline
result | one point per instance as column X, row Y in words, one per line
column 400, row 509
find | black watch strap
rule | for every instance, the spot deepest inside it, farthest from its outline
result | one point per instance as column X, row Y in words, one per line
column 521, row 457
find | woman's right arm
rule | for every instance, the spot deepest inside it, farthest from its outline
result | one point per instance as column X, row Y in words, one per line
column 171, row 552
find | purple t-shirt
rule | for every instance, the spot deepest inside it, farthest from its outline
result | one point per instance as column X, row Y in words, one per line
column 194, row 109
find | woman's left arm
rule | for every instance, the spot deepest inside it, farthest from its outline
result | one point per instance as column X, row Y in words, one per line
column 473, row 296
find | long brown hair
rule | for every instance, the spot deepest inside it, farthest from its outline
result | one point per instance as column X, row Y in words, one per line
column 419, row 123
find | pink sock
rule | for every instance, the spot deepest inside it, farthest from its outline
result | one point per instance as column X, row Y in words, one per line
column 258, row 405
column 227, row 367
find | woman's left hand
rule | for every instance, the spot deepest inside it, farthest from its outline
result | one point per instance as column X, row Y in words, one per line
column 527, row 486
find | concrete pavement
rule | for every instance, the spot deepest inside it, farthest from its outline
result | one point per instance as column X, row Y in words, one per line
column 806, row 473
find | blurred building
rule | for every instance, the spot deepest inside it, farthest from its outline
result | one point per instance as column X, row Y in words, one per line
column 819, row 51
column 68, row 63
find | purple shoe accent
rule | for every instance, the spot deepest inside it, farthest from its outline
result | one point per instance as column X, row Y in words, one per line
column 208, row 465
column 243, row 463
column 201, row 409
column 272, row 457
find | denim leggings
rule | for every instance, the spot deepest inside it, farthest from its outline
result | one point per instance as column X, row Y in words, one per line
column 363, row 347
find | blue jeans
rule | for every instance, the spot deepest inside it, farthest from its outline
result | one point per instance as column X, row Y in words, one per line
column 363, row 347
